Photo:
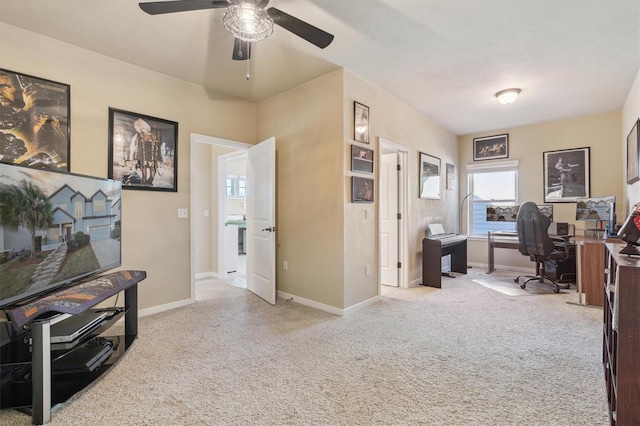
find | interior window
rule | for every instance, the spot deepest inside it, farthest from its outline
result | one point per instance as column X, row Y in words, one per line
column 232, row 185
column 490, row 186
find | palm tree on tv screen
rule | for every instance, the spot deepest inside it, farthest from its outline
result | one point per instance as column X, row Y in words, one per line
column 25, row 206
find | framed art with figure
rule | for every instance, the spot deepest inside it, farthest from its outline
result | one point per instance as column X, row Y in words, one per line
column 361, row 190
column 361, row 159
column 566, row 175
column 429, row 176
column 451, row 176
column 633, row 153
column 491, row 147
column 34, row 121
column 143, row 151
column 360, row 122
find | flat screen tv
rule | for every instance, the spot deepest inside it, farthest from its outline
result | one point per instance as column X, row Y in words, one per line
column 596, row 208
column 55, row 229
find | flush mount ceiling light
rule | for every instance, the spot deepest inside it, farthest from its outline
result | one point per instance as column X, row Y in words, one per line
column 248, row 22
column 507, row 96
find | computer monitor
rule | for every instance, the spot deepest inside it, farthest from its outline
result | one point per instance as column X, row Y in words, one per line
column 597, row 209
column 500, row 213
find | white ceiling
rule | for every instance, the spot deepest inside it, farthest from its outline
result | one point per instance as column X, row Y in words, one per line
column 445, row 58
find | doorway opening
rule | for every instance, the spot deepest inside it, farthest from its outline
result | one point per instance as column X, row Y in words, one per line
column 209, row 205
column 393, row 210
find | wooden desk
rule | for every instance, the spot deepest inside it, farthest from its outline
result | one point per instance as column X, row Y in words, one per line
column 590, row 257
column 508, row 240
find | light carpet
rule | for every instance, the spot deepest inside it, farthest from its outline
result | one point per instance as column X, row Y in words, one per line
column 461, row 355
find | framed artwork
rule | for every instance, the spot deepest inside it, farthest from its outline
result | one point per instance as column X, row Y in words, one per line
column 34, row 121
column 429, row 176
column 143, row 151
column 451, row 176
column 360, row 122
column 491, row 147
column 633, row 153
column 566, row 175
column 361, row 159
column 361, row 190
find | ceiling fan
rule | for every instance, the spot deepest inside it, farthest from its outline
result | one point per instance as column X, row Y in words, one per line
column 247, row 20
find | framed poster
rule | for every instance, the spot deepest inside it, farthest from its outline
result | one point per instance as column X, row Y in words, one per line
column 633, row 153
column 360, row 122
column 491, row 147
column 34, row 121
column 429, row 176
column 361, row 190
column 143, row 151
column 451, row 176
column 361, row 159
column 566, row 175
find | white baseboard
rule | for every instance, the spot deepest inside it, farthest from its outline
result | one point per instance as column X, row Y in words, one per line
column 328, row 308
column 206, row 275
column 163, row 308
column 313, row 304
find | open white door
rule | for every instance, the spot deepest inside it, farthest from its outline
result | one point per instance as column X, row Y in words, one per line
column 389, row 220
column 261, row 214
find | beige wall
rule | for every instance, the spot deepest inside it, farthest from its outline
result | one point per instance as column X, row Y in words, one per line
column 307, row 124
column 526, row 144
column 393, row 120
column 153, row 238
column 203, row 193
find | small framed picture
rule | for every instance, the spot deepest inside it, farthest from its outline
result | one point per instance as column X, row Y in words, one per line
column 361, row 190
column 429, row 176
column 491, row 147
column 361, row 159
column 451, row 176
column 633, row 153
column 143, row 151
column 566, row 175
column 360, row 122
column 35, row 121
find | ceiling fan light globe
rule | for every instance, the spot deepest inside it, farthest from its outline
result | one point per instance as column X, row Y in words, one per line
column 247, row 22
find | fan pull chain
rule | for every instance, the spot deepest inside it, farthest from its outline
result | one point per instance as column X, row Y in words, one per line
column 248, row 75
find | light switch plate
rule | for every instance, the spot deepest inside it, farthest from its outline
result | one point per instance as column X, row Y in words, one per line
column 183, row 213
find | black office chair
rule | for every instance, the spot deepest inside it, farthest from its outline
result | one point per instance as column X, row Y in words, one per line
column 555, row 259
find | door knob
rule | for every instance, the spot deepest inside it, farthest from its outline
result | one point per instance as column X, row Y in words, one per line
column 274, row 229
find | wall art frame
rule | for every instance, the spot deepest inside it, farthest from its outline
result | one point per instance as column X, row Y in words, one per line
column 143, row 151
column 361, row 189
column 633, row 153
column 451, row 176
column 36, row 121
column 361, row 159
column 566, row 175
column 360, row 122
column 491, row 147
column 429, row 176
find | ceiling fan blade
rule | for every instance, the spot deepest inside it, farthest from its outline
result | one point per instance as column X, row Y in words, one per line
column 241, row 50
column 160, row 7
column 313, row 35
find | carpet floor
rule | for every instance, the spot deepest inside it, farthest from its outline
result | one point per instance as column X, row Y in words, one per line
column 466, row 354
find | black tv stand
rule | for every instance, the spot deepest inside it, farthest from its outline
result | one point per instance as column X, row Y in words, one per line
column 37, row 373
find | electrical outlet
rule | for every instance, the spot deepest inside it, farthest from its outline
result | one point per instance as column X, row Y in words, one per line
column 183, row 213
column 285, row 265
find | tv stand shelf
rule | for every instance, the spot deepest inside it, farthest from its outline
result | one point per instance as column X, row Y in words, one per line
column 36, row 373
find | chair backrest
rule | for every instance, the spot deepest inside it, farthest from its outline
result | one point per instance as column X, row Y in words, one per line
column 533, row 239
